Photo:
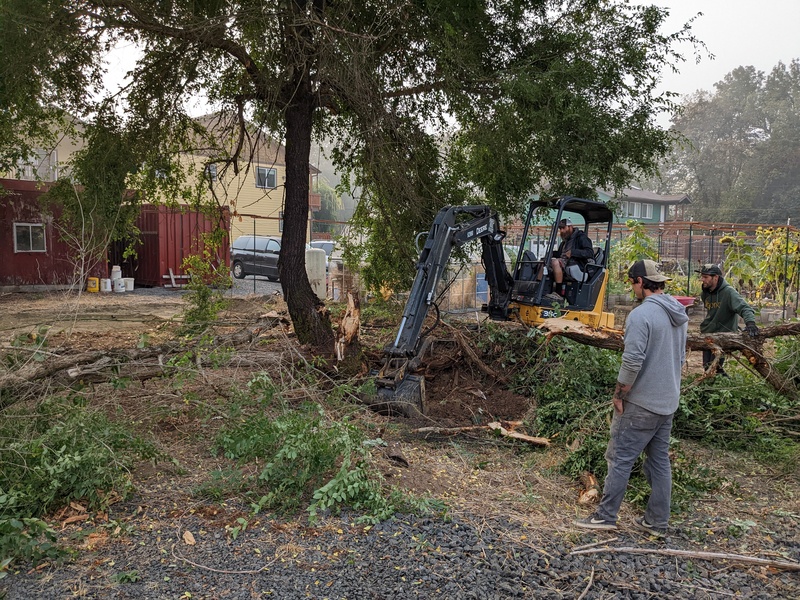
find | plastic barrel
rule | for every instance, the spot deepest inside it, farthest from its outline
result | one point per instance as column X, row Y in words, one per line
column 128, row 283
column 315, row 269
column 93, row 285
column 119, row 285
column 105, row 285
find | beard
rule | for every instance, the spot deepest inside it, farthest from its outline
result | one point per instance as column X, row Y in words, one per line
column 707, row 288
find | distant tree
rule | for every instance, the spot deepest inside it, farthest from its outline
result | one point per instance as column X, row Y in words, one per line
column 545, row 90
column 740, row 162
column 330, row 207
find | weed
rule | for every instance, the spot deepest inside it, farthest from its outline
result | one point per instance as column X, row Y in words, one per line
column 205, row 298
column 127, row 576
column 240, row 527
column 224, row 483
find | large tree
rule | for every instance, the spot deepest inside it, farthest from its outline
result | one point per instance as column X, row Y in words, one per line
column 527, row 92
column 740, row 162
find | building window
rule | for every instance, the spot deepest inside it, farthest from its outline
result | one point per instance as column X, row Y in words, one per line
column 41, row 166
column 280, row 221
column 636, row 210
column 211, row 172
column 266, row 178
column 29, row 237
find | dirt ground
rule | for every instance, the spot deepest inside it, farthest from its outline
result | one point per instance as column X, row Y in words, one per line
column 474, row 473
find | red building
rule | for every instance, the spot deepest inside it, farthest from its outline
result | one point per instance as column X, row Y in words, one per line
column 34, row 258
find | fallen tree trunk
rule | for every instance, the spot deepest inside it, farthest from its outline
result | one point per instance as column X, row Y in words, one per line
column 719, row 343
column 102, row 365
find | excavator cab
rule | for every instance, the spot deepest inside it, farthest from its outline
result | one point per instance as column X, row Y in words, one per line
column 533, row 298
column 525, row 294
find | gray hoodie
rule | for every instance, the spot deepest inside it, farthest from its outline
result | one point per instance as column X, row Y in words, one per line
column 655, row 348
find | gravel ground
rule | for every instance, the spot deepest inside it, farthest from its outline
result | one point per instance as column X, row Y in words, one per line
column 407, row 557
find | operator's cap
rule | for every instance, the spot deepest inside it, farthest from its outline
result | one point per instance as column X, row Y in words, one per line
column 564, row 223
column 647, row 269
column 709, row 269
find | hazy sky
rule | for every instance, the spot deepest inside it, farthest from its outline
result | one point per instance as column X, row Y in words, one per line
column 738, row 32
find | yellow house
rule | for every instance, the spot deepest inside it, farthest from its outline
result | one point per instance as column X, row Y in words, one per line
column 252, row 186
column 50, row 163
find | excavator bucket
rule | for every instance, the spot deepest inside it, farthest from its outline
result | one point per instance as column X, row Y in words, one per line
column 406, row 398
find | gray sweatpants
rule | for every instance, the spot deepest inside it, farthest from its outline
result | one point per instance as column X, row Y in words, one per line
column 635, row 431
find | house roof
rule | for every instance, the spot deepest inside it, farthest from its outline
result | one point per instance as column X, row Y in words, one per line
column 639, row 195
column 223, row 130
column 258, row 146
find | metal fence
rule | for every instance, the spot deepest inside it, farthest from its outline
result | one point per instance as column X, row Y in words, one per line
column 681, row 246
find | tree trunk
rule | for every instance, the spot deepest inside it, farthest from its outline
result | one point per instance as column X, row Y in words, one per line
column 310, row 318
column 751, row 348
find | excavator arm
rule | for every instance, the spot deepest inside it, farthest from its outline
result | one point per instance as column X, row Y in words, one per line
column 454, row 226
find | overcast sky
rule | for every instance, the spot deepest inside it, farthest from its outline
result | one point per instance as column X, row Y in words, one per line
column 738, row 32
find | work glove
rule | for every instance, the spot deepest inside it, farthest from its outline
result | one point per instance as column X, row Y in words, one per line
column 751, row 329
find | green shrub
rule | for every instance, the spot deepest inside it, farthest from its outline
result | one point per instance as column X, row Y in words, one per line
column 740, row 413
column 58, row 452
column 313, row 462
column 27, row 539
column 205, row 298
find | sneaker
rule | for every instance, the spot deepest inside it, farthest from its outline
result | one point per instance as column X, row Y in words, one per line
column 651, row 529
column 595, row 522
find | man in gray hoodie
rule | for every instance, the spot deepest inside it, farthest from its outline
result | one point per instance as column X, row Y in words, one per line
column 645, row 400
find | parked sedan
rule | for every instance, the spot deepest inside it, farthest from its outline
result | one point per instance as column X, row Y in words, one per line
column 255, row 255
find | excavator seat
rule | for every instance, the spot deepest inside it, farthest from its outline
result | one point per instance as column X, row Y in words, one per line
column 583, row 274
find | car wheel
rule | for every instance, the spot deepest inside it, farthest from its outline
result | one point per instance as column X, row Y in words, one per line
column 272, row 277
column 238, row 270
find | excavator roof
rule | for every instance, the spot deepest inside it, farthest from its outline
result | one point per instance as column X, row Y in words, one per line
column 591, row 210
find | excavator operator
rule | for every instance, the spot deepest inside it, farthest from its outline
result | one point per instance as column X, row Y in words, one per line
column 575, row 248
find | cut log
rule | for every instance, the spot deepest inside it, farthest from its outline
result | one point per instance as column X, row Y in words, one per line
column 590, row 494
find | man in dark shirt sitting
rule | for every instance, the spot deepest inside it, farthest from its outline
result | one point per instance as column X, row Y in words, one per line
column 575, row 248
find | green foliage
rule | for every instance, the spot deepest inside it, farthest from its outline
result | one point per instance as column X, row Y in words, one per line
column 58, row 452
column 63, row 452
column 740, row 261
column 740, row 413
column 95, row 206
column 27, row 539
column 311, row 460
column 127, row 576
column 205, row 298
column 787, row 357
column 779, row 250
column 637, row 245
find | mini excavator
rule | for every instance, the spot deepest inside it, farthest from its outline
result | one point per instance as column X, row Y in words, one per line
column 525, row 294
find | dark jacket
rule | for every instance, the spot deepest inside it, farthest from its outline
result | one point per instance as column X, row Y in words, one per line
column 580, row 246
column 722, row 306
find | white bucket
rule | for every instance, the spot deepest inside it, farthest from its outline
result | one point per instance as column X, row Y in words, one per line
column 105, row 285
column 119, row 285
column 128, row 283
column 116, row 272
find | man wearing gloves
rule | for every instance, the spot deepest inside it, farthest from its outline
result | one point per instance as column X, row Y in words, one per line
column 645, row 400
column 723, row 305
